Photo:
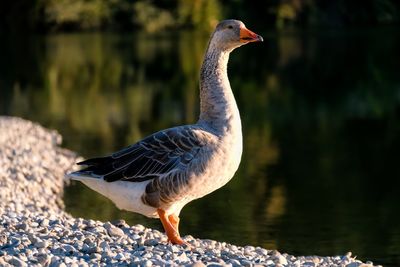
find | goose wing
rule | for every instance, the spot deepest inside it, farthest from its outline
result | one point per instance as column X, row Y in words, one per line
column 165, row 152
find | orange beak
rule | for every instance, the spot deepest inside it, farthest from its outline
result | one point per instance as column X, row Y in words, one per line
column 247, row 36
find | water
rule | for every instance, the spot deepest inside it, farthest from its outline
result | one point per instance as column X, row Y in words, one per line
column 320, row 114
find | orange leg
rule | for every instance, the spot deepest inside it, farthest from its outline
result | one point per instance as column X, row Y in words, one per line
column 170, row 230
column 174, row 220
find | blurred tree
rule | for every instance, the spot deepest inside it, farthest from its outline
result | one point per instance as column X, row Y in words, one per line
column 199, row 13
column 150, row 17
column 87, row 14
column 61, row 15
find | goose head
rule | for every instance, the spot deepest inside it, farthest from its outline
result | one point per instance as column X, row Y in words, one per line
column 230, row 34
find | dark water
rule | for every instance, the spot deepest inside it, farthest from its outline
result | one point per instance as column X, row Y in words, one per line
column 321, row 121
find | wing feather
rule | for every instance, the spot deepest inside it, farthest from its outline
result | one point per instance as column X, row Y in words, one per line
column 156, row 156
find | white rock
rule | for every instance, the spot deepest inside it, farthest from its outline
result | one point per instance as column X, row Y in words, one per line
column 114, row 231
column 41, row 244
column 198, row 264
column 182, row 257
column 44, row 223
column 234, row 262
column 281, row 259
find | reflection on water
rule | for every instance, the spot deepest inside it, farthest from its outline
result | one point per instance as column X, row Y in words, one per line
column 320, row 116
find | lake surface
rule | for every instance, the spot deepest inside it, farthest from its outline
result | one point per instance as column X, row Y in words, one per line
column 321, row 122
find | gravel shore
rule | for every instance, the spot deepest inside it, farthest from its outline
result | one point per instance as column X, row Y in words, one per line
column 36, row 231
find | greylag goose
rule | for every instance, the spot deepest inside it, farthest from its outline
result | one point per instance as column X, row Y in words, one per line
column 160, row 174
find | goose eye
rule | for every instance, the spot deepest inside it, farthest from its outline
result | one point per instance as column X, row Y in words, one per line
column 230, row 27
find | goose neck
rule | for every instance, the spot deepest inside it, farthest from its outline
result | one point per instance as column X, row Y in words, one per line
column 217, row 103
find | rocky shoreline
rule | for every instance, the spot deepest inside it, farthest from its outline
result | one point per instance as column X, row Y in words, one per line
column 36, row 231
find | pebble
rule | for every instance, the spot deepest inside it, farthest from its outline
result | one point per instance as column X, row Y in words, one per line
column 69, row 249
column 151, row 242
column 14, row 261
column 35, row 230
column 22, row 226
column 114, row 231
column 198, row 264
column 281, row 259
column 41, row 244
column 43, row 259
column 234, row 262
column 246, row 262
column 44, row 223
column 96, row 256
column 120, row 257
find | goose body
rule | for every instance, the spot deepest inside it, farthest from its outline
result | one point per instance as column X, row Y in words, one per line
column 177, row 166
column 160, row 174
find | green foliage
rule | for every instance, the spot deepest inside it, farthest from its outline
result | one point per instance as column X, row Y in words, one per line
column 88, row 14
column 202, row 14
column 152, row 16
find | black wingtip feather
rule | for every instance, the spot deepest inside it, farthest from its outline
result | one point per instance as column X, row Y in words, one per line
column 95, row 161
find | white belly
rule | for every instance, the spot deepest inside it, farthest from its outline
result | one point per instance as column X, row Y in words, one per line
column 125, row 195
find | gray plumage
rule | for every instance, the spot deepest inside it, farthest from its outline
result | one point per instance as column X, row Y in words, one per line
column 170, row 168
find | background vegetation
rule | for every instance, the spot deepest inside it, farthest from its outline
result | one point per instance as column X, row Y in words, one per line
column 122, row 15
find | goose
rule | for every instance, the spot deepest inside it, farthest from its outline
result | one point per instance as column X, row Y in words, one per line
column 160, row 174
